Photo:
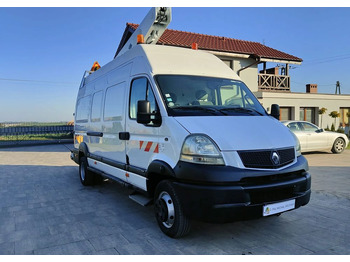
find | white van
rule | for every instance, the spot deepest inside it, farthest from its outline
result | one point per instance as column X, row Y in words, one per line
column 180, row 127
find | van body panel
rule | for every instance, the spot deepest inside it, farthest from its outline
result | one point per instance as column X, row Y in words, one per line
column 171, row 138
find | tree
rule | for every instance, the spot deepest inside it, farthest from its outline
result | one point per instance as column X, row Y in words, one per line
column 321, row 111
column 335, row 115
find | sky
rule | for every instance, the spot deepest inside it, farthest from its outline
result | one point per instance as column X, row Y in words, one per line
column 45, row 51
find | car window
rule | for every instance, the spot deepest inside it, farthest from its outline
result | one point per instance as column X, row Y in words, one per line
column 293, row 127
column 308, row 127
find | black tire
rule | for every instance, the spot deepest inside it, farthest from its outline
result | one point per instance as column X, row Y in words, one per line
column 338, row 146
column 169, row 212
column 86, row 177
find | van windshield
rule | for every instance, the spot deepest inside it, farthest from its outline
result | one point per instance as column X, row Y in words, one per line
column 197, row 95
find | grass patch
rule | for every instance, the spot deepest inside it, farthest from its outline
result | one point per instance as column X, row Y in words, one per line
column 36, row 137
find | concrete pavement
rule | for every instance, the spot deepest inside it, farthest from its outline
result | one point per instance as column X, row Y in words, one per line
column 44, row 209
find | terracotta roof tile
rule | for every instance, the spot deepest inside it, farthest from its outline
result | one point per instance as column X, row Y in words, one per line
column 221, row 44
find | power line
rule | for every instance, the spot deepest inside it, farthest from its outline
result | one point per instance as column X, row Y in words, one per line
column 36, row 81
column 330, row 57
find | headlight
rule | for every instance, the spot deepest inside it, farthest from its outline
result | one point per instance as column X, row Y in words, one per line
column 297, row 145
column 200, row 149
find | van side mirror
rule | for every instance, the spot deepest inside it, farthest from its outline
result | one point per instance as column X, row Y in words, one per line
column 275, row 111
column 143, row 112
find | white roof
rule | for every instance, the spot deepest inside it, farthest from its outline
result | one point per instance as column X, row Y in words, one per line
column 157, row 59
column 184, row 61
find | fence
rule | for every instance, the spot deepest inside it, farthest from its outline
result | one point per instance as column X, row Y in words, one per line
column 21, row 134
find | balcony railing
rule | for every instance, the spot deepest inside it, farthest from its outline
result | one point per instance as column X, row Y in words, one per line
column 269, row 82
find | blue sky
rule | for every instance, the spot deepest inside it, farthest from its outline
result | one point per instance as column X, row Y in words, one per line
column 44, row 51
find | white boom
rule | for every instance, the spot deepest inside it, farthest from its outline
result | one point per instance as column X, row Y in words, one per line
column 152, row 27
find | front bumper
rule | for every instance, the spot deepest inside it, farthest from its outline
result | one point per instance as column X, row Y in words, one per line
column 243, row 199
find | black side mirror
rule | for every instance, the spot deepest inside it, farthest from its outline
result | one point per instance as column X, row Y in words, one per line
column 143, row 112
column 319, row 130
column 275, row 111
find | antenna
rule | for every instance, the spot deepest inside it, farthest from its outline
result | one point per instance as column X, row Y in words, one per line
column 337, row 86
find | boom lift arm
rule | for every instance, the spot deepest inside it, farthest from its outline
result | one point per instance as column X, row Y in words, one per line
column 152, row 27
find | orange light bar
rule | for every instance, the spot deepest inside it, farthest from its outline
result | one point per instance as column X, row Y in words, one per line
column 194, row 46
column 140, row 39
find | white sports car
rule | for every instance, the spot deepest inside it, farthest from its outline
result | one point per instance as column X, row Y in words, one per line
column 313, row 138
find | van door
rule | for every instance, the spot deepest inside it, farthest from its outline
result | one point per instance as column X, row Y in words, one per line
column 143, row 142
column 112, row 147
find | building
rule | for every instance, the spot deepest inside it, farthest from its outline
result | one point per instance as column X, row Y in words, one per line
column 270, row 85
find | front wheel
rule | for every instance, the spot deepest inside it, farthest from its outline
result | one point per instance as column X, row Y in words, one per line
column 338, row 146
column 169, row 212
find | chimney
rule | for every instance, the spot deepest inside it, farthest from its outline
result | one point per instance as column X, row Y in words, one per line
column 311, row 88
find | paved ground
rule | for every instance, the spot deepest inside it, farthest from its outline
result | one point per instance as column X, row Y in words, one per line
column 45, row 210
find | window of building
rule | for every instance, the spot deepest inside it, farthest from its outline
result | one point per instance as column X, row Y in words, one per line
column 308, row 114
column 141, row 90
column 228, row 63
column 344, row 118
column 285, row 113
column 96, row 107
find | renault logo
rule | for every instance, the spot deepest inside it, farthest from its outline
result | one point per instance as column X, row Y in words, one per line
column 275, row 158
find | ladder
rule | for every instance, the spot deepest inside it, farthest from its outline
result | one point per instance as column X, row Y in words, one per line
column 152, row 27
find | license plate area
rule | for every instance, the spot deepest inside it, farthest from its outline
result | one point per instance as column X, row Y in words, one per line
column 279, row 207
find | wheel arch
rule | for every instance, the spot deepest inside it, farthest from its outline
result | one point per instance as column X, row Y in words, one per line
column 83, row 150
column 157, row 171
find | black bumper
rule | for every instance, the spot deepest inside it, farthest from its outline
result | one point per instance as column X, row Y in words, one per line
column 244, row 195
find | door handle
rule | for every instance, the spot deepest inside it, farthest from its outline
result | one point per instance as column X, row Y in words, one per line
column 124, row 135
column 99, row 134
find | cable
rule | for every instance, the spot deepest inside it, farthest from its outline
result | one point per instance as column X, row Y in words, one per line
column 36, row 81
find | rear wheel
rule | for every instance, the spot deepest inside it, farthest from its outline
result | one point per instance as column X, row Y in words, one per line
column 86, row 177
column 169, row 212
column 338, row 146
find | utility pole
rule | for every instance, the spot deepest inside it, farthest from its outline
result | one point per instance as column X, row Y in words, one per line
column 337, row 86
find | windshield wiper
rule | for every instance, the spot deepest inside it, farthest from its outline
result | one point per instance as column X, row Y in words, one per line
column 240, row 109
column 206, row 109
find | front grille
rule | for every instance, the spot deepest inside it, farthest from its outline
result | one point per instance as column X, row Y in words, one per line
column 265, row 158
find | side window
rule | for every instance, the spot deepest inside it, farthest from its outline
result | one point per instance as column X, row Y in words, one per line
column 308, row 127
column 83, row 108
column 114, row 103
column 141, row 90
column 294, row 127
column 96, row 107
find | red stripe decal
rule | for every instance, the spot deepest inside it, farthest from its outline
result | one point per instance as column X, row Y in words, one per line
column 141, row 142
column 157, row 149
column 148, row 146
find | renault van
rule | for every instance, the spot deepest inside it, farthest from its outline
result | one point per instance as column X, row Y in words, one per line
column 185, row 133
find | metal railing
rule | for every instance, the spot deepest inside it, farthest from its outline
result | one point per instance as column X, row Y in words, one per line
column 23, row 134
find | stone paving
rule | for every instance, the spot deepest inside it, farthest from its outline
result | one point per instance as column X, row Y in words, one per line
column 44, row 209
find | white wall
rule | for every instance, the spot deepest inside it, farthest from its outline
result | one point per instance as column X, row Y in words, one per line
column 249, row 75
